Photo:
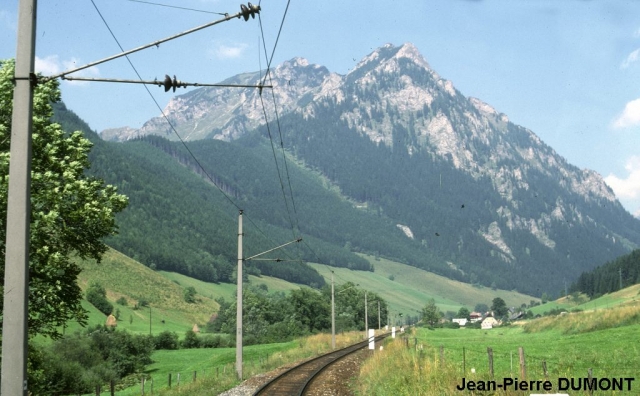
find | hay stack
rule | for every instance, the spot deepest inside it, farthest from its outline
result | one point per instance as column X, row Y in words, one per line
column 195, row 329
column 111, row 321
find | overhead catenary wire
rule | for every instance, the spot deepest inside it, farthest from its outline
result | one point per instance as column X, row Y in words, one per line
column 267, row 73
column 176, row 132
column 177, row 7
column 269, row 59
column 244, row 13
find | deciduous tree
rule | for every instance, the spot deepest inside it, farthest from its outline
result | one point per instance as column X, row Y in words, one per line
column 70, row 212
column 431, row 313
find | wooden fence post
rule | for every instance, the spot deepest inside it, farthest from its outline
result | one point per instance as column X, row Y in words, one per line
column 97, row 390
column 590, row 374
column 544, row 369
column 490, row 354
column 511, row 367
column 523, row 366
column 142, row 385
column 112, row 387
column 464, row 362
column 194, row 376
column 169, row 381
column 178, row 379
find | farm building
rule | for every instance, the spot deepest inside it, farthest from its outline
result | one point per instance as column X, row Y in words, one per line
column 489, row 322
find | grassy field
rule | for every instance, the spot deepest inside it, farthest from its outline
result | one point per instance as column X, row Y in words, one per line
column 610, row 352
column 411, row 287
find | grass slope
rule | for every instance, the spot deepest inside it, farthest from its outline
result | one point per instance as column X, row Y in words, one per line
column 125, row 277
column 628, row 295
column 412, row 287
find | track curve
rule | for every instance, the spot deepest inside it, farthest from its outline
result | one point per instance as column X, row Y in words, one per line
column 296, row 380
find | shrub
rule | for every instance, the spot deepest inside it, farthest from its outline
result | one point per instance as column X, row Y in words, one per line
column 97, row 296
column 122, row 301
column 143, row 302
column 190, row 340
column 190, row 294
column 166, row 340
column 210, row 341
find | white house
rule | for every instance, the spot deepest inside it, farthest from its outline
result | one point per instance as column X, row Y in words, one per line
column 461, row 322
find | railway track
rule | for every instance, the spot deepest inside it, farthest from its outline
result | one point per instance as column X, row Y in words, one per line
column 297, row 379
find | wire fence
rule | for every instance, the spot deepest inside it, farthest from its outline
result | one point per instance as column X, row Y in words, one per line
column 506, row 362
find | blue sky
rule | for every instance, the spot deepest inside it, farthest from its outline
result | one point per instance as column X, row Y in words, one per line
column 567, row 70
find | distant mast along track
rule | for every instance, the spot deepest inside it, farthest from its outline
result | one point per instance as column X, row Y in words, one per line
column 296, row 380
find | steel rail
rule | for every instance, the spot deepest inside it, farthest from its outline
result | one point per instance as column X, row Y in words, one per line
column 304, row 383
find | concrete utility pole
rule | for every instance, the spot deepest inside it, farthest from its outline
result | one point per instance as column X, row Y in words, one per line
column 378, row 314
column 239, row 302
column 333, row 316
column 13, row 380
column 366, row 316
column 239, row 297
column 16, row 278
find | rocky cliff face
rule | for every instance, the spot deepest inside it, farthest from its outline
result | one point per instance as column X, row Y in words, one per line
column 395, row 100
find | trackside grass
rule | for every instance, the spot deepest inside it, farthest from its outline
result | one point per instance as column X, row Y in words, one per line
column 215, row 368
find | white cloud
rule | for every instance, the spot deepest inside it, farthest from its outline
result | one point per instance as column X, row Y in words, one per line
column 629, row 187
column 229, row 51
column 631, row 58
column 8, row 20
column 48, row 66
column 52, row 64
column 630, row 115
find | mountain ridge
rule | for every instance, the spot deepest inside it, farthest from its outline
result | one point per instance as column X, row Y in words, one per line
column 393, row 135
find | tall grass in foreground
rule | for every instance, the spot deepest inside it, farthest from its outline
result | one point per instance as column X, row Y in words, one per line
column 402, row 370
column 398, row 370
column 221, row 377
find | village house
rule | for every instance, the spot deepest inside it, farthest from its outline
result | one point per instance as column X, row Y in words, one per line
column 489, row 322
column 461, row 322
column 475, row 317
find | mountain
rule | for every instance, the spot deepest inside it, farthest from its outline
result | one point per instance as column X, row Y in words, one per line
column 475, row 196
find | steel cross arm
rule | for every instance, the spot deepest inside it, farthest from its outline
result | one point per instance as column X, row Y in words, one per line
column 271, row 250
column 350, row 287
column 161, row 83
column 278, row 260
column 227, row 17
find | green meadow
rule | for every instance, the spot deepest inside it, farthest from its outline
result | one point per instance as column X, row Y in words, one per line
column 570, row 345
column 407, row 289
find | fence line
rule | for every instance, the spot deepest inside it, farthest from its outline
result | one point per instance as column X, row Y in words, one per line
column 501, row 364
column 145, row 382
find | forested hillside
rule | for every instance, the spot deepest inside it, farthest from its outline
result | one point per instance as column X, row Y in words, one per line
column 178, row 221
column 612, row 276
